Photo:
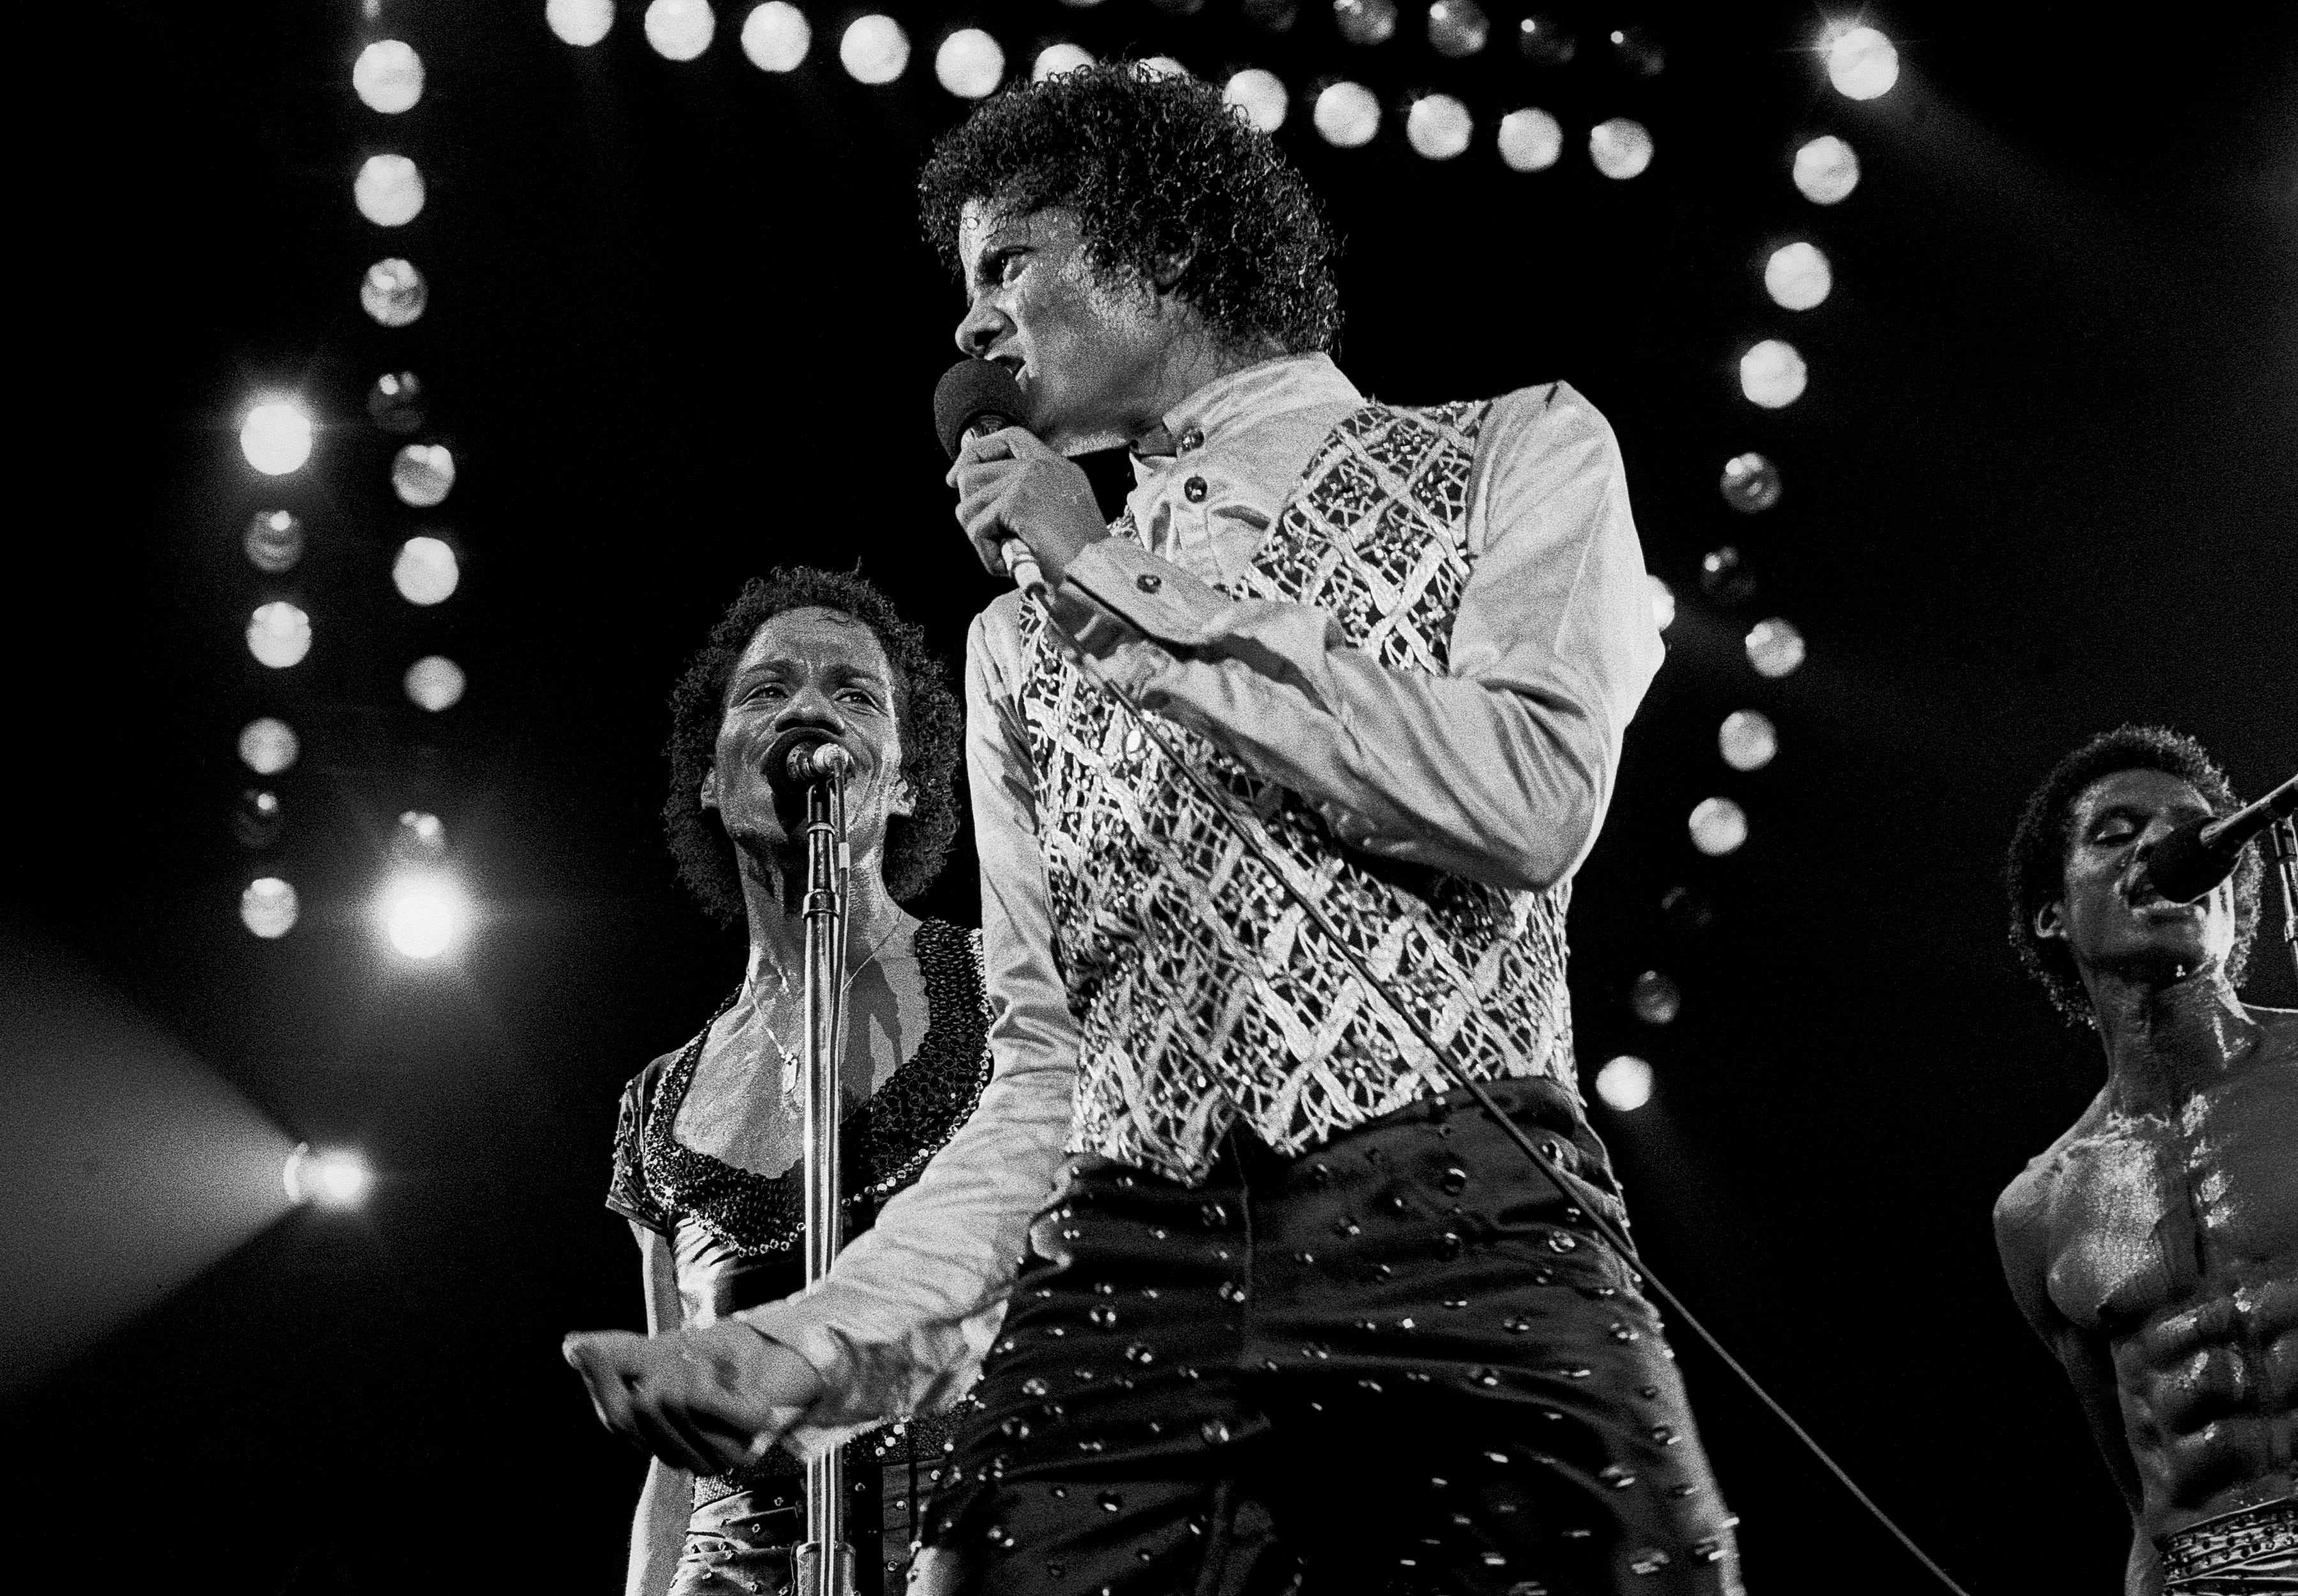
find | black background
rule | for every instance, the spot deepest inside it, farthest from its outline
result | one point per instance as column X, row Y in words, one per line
column 682, row 328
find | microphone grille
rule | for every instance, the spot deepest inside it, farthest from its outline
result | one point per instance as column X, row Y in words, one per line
column 968, row 390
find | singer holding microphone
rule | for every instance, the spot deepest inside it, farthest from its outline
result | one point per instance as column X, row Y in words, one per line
column 2154, row 1246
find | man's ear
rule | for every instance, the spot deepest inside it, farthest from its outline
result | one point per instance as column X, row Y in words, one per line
column 2051, row 921
column 1170, row 271
column 901, row 800
column 709, row 795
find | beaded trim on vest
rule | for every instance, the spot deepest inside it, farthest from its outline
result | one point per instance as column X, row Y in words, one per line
column 1203, row 994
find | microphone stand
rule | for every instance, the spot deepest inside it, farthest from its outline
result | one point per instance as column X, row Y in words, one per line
column 2282, row 846
column 825, row 1558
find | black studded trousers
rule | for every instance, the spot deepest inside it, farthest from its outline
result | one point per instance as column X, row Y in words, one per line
column 1403, row 1362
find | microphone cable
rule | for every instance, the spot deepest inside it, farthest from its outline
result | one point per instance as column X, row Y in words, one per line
column 1090, row 668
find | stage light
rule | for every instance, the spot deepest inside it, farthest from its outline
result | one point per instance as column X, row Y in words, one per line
column 393, row 292
column 426, row 571
column 1347, row 115
column 1688, row 910
column 1655, row 999
column 1624, row 1083
column 1796, row 276
column 258, row 818
column 1748, row 740
column 1060, row 58
column 1750, row 483
column 969, row 63
column 582, row 23
column 874, row 49
column 1546, row 40
column 434, row 682
column 1639, row 52
column 1861, row 63
column 1438, row 126
column 1826, row 171
column 1457, row 27
column 423, row 473
column 1663, row 602
column 1365, row 21
column 388, row 191
column 1724, row 577
column 1162, row 66
column 1774, row 648
column 1531, row 140
column 326, row 1177
column 423, row 913
column 776, row 36
column 1718, row 827
column 1773, row 373
column 275, row 436
column 1620, row 148
column 1261, row 95
column 680, row 29
column 395, row 403
column 278, row 634
column 421, row 838
column 274, row 541
column 267, row 745
column 388, row 77
column 267, row 907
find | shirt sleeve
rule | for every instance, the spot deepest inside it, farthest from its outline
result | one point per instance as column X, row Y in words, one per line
column 1500, row 769
column 909, row 1310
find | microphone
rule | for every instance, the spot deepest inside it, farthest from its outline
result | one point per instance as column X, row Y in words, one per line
column 802, row 757
column 974, row 399
column 2190, row 862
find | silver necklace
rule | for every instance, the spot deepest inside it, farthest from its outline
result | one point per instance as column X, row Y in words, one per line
column 791, row 1070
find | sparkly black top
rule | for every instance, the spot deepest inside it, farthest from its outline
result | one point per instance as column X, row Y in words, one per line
column 735, row 1234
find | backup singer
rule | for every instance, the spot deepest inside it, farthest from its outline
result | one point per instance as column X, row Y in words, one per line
column 1297, row 1310
column 704, row 1154
column 2155, row 1245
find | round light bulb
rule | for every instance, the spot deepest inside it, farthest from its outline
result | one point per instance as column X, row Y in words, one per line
column 1861, row 63
column 1663, row 602
column 388, row 191
column 1826, row 171
column 1060, row 58
column 1347, row 115
column 1620, row 148
column 1774, row 648
column 1531, row 140
column 1748, row 740
column 1438, row 126
column 275, row 436
column 776, row 36
column 1261, row 95
column 267, row 907
column 680, row 29
column 582, row 23
column 388, row 77
column 1718, row 827
column 423, row 473
column 1624, row 1083
column 969, row 63
column 267, row 745
column 426, row 571
column 393, row 292
column 278, row 634
column 1773, row 373
column 1797, row 276
column 874, row 49
column 425, row 913
column 1750, row 483
column 434, row 682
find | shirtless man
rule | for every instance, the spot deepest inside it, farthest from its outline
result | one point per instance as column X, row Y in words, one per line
column 2155, row 1245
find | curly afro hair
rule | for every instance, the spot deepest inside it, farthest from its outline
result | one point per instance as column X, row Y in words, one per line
column 927, row 713
column 2034, row 873
column 1158, row 169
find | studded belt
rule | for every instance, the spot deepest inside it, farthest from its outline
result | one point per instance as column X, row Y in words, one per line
column 2259, row 1543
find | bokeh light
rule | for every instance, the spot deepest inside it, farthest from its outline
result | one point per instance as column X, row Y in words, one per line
column 1162, row 66
column 274, row 541
column 426, row 571
column 1457, row 27
column 1347, row 115
column 874, row 49
column 969, row 63
column 1861, row 63
column 1438, row 126
column 1545, row 40
column 434, row 682
column 328, row 1177
column 1063, row 57
column 1750, row 483
column 1826, row 171
column 1365, row 21
column 267, row 907
column 1725, row 576
column 1718, row 827
column 388, row 191
column 1624, row 1083
column 395, row 403
column 421, row 837
column 1638, row 52
column 580, row 21
column 1748, row 740
column 388, row 77
column 1531, row 140
column 1621, row 148
column 1797, row 276
column 1663, row 602
column 680, row 29
column 258, row 818
column 278, row 634
column 1655, row 999
column 1773, row 373
column 1260, row 94
column 393, row 292
column 1774, row 648
column 267, row 745
column 776, row 36
column 275, row 436
column 425, row 913
column 423, row 473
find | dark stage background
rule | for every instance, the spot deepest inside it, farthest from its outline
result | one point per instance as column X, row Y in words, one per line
column 682, row 329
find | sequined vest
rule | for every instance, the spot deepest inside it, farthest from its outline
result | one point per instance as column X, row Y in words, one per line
column 1203, row 995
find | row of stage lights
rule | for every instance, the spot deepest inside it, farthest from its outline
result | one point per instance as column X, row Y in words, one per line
column 422, row 909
